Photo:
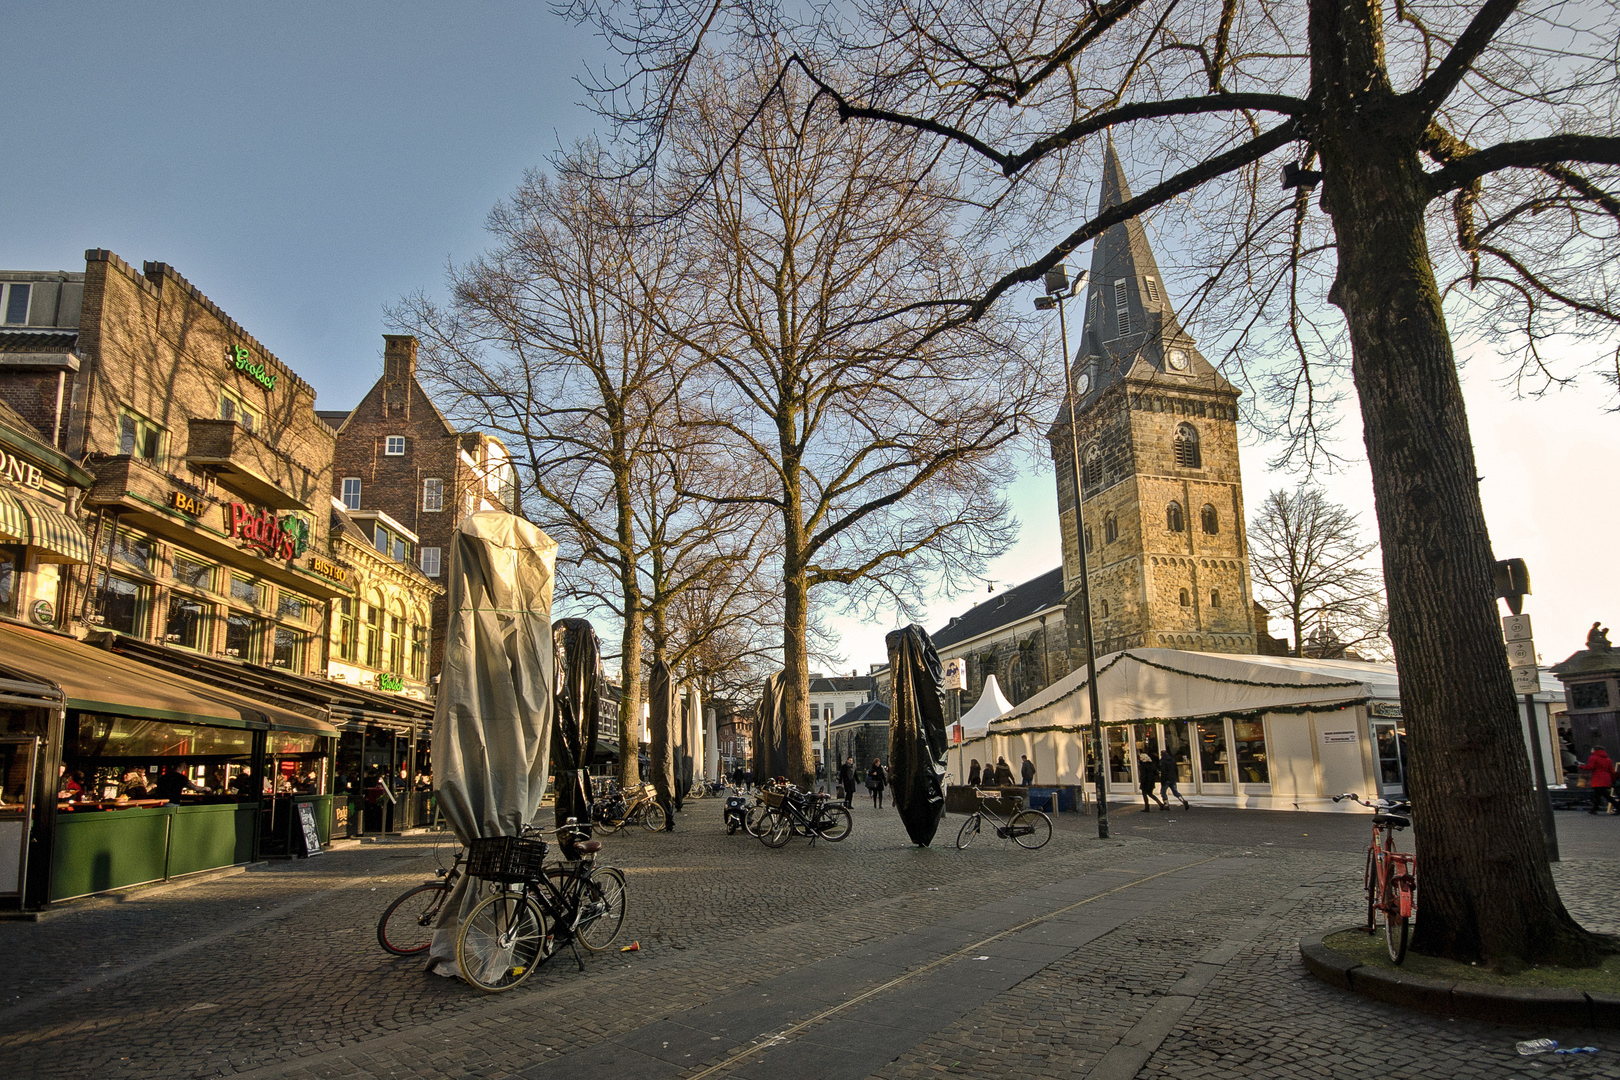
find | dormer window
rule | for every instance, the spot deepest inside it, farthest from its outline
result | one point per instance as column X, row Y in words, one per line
column 1122, row 309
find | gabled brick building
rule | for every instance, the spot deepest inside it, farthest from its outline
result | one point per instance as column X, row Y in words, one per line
column 399, row 456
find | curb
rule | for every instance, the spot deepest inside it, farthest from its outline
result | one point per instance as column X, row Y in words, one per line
column 1474, row 1001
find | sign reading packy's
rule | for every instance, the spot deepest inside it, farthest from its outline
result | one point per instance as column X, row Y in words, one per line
column 260, row 530
column 242, row 360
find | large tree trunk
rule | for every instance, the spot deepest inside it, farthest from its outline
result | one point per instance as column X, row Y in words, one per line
column 1485, row 888
column 796, row 679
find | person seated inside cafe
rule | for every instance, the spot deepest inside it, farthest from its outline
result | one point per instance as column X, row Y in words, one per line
column 244, row 785
column 172, row 783
column 69, row 785
column 133, row 785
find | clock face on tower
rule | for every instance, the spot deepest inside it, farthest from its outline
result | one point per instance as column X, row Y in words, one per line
column 1176, row 358
column 1083, row 383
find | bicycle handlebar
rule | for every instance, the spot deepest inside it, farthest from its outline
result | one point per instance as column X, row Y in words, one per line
column 1373, row 804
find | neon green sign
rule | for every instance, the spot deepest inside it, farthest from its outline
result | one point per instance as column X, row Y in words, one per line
column 242, row 360
column 389, row 681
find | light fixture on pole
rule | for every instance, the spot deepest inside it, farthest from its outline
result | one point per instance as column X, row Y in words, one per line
column 1059, row 290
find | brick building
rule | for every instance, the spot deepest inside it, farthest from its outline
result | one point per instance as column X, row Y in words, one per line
column 399, row 457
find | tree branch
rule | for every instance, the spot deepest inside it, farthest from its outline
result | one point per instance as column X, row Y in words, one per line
column 1527, row 153
column 1427, row 97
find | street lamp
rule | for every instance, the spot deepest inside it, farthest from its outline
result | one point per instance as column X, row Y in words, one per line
column 1058, row 290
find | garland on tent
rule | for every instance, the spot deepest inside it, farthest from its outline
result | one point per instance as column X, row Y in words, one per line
column 1189, row 674
column 1246, row 714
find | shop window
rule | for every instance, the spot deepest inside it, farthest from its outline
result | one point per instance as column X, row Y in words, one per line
column 123, row 604
column 11, row 562
column 290, row 605
column 433, row 495
column 1249, row 747
column 1212, row 751
column 351, row 493
column 373, row 636
column 1186, row 445
column 1174, row 520
column 289, row 650
column 347, row 649
column 419, row 652
column 430, row 561
column 396, row 644
column 188, row 571
column 188, row 623
column 103, row 751
column 139, row 437
column 242, row 633
column 250, row 591
column 1212, row 522
column 232, row 407
column 17, row 304
column 1110, row 529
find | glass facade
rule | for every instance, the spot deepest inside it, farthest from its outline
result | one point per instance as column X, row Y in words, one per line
column 188, row 623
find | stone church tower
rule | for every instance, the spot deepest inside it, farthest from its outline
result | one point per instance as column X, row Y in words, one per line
column 1163, row 498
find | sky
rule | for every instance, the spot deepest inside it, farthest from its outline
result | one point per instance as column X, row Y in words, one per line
column 306, row 165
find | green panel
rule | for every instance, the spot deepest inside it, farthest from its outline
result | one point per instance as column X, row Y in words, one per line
column 207, row 837
column 323, row 817
column 100, row 850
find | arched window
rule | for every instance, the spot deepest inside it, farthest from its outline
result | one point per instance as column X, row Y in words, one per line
column 1088, row 537
column 1105, row 609
column 1214, row 598
column 1091, row 470
column 1186, row 600
column 1212, row 523
column 1187, row 455
column 1173, row 518
column 1110, row 529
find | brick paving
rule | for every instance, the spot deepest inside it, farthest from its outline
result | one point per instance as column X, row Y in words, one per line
column 1168, row 951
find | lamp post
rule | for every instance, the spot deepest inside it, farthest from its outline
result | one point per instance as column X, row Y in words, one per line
column 1059, row 290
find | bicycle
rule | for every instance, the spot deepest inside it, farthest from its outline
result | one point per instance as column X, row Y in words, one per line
column 1029, row 829
column 1390, row 877
column 638, row 805
column 406, row 926
column 790, row 812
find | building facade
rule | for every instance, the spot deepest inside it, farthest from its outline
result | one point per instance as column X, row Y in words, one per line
column 830, row 698
column 379, row 638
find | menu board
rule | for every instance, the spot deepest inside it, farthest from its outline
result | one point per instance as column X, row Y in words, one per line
column 306, row 824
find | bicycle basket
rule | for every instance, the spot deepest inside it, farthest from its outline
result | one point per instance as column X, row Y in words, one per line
column 506, row 858
column 772, row 798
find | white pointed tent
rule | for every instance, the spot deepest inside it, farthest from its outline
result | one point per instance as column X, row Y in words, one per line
column 991, row 704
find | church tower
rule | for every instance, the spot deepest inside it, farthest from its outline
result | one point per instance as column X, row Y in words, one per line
column 1162, row 494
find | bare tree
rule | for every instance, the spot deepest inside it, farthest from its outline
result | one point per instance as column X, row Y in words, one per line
column 1308, row 559
column 1465, row 154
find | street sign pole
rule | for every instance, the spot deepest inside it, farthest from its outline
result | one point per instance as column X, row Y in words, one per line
column 1521, row 648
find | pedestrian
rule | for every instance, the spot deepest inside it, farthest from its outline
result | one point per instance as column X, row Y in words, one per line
column 1003, row 773
column 846, row 777
column 1147, row 774
column 1602, row 770
column 876, row 780
column 1168, row 771
column 973, row 773
column 1027, row 769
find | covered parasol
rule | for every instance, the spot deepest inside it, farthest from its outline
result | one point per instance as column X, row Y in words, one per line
column 579, row 712
column 661, row 726
column 917, row 739
column 770, row 731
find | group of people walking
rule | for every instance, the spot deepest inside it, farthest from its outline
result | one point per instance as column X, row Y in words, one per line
column 999, row 774
column 1162, row 771
column 877, row 778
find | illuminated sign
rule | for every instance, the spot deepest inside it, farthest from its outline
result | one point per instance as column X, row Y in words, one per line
column 328, row 569
column 187, row 504
column 18, row 471
column 259, row 530
column 389, row 681
column 242, row 360
column 43, row 613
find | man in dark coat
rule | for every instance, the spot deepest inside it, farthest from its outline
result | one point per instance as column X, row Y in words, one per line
column 1028, row 771
column 846, row 777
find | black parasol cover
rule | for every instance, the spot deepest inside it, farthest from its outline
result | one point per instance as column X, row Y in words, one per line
column 684, row 740
column 660, row 725
column 917, row 740
column 770, row 731
column 579, row 712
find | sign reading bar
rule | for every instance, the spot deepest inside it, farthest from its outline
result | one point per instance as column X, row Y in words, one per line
column 328, row 569
column 186, row 504
column 242, row 360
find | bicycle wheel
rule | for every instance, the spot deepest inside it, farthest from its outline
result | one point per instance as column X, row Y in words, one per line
column 501, row 941
column 610, row 826
column 604, row 903
column 1397, row 926
column 777, row 828
column 1369, row 881
column 1031, row 829
column 836, row 823
column 970, row 829
column 406, row 928
column 753, row 819
column 653, row 818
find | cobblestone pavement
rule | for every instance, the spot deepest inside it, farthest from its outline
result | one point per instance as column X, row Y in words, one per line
column 1168, row 951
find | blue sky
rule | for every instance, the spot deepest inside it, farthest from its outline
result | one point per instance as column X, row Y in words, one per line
column 307, row 164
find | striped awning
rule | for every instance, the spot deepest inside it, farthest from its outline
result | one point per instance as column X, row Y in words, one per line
column 57, row 536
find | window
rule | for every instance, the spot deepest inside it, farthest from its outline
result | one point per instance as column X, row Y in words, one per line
column 292, row 606
column 11, row 560
column 1187, row 455
column 402, row 550
column 123, row 604
column 351, row 493
column 347, row 649
column 232, row 407
column 1105, row 609
column 1088, row 537
column 250, row 591
column 396, row 644
column 17, row 304
column 1122, row 309
column 1249, row 747
column 289, row 650
column 373, row 632
column 1110, row 529
column 1186, row 600
column 1214, row 598
column 815, row 732
column 430, row 561
column 419, row 652
column 242, row 636
column 849, row 706
column 380, row 539
column 1091, row 470
column 136, row 551
column 1173, row 519
column 1152, row 289
column 433, row 495
column 191, row 572
column 394, row 445
column 188, row 622
column 1212, row 523
column 815, row 711
column 139, row 437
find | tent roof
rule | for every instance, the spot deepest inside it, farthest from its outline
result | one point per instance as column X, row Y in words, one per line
column 992, row 703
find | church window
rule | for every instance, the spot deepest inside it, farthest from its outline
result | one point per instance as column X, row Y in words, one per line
column 1186, row 444
column 1173, row 519
column 1152, row 289
column 1088, row 537
column 1091, row 470
column 1212, row 523
column 1186, row 600
column 1122, row 309
column 1105, row 609
column 1214, row 598
column 1110, row 529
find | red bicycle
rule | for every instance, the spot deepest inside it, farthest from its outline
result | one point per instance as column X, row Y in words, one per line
column 1391, row 876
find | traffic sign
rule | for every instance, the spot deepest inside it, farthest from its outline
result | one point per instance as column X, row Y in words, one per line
column 1516, row 628
column 1521, row 653
column 1526, row 680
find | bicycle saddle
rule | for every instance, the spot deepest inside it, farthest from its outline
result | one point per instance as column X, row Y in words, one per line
column 588, row 847
column 1394, row 821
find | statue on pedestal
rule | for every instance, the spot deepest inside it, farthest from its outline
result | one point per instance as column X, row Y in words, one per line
column 1597, row 638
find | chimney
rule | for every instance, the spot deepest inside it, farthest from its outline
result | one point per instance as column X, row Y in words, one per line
column 399, row 371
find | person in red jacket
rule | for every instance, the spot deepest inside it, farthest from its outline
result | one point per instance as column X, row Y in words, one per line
column 1602, row 770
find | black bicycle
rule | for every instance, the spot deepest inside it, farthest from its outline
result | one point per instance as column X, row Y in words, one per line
column 406, row 927
column 540, row 909
column 1026, row 828
column 790, row 812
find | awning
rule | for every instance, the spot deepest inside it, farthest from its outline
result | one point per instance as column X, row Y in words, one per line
column 57, row 536
column 95, row 680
